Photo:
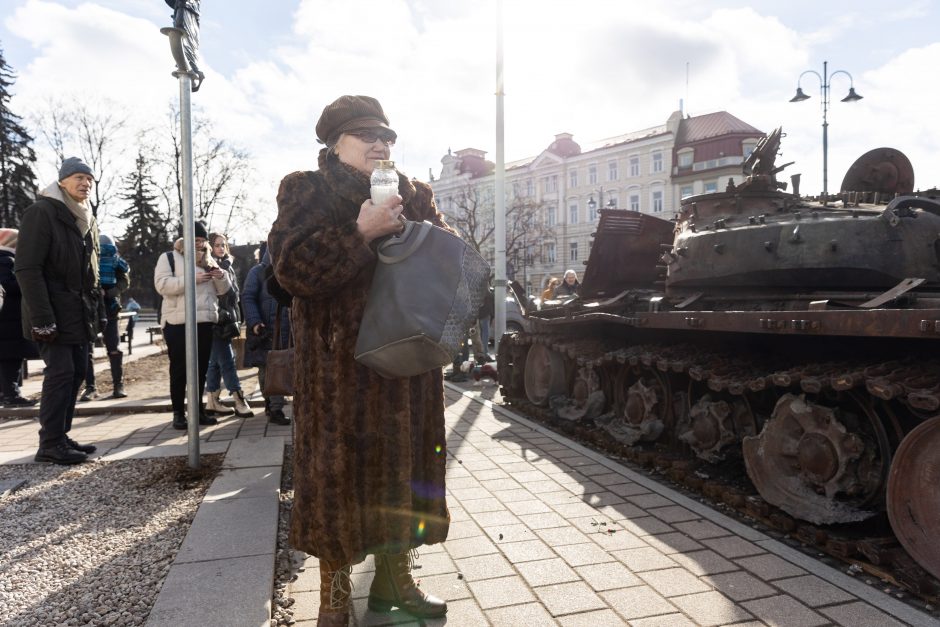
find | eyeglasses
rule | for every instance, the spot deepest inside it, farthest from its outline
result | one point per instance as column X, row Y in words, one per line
column 369, row 137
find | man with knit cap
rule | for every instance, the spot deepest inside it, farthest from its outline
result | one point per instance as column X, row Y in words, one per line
column 57, row 270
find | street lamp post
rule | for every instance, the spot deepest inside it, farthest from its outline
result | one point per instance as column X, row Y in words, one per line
column 824, row 84
column 593, row 204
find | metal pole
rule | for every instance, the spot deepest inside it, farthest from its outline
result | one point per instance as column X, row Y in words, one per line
column 825, row 99
column 193, row 400
column 500, row 188
column 186, row 74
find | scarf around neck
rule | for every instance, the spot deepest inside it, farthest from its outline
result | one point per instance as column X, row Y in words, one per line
column 79, row 210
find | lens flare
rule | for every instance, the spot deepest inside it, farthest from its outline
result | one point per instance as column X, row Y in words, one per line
column 438, row 448
column 420, row 528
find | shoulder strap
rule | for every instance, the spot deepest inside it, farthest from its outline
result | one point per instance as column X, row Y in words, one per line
column 172, row 261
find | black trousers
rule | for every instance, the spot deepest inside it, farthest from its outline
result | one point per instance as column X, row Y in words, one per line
column 10, row 370
column 65, row 371
column 175, row 337
column 111, row 342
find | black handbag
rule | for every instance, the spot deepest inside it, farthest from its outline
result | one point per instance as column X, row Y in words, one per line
column 426, row 291
column 227, row 326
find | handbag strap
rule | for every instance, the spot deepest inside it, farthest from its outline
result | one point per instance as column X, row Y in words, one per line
column 277, row 329
column 413, row 234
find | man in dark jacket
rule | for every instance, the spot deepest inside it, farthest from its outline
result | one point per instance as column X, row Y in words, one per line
column 57, row 270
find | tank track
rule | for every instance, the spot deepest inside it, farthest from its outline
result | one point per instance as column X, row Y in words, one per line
column 916, row 384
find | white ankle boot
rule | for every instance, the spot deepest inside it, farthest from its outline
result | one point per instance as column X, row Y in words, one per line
column 242, row 410
column 214, row 407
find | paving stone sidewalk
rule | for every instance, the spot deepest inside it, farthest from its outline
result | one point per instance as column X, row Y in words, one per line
column 544, row 532
column 547, row 532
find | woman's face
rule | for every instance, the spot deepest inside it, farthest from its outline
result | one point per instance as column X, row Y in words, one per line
column 356, row 151
column 218, row 247
column 570, row 278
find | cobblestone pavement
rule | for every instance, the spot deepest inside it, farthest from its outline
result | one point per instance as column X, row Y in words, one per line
column 544, row 532
column 547, row 532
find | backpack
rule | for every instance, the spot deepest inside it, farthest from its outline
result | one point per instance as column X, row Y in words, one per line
column 172, row 261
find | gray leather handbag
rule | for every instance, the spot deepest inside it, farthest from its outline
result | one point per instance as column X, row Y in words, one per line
column 426, row 291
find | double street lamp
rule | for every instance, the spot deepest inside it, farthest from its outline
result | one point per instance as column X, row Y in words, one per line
column 593, row 204
column 824, row 83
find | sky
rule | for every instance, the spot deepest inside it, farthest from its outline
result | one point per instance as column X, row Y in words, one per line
column 593, row 68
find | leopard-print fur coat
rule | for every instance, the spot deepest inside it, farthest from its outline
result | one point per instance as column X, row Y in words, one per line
column 369, row 452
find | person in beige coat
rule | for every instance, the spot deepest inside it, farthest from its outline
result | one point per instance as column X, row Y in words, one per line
column 211, row 282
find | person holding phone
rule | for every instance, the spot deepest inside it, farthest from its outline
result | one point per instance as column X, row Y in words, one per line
column 211, row 282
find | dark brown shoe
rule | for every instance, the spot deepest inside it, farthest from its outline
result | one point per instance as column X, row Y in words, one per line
column 393, row 586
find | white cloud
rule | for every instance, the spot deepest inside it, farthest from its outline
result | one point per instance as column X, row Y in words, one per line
column 596, row 69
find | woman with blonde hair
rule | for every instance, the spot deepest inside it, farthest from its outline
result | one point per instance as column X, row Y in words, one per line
column 549, row 292
column 222, row 368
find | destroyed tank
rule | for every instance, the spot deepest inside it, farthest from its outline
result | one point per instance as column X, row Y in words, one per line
column 796, row 337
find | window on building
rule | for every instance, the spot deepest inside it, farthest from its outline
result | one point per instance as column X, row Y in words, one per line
column 529, row 188
column 685, row 191
column 657, row 165
column 552, row 215
column 711, row 186
column 572, row 214
column 748, row 147
column 592, row 174
column 550, row 252
column 612, row 171
column 573, row 178
column 573, row 251
column 657, row 201
column 634, row 166
column 634, row 202
column 592, row 211
column 685, row 159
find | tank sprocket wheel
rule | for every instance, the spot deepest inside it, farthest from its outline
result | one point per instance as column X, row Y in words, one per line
column 819, row 463
column 913, row 500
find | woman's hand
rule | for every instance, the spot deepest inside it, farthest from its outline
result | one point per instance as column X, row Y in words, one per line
column 378, row 220
column 204, row 277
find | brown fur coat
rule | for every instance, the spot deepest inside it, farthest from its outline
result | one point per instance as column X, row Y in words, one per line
column 369, row 452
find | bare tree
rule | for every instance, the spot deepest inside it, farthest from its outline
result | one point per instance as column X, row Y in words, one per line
column 220, row 174
column 472, row 215
column 94, row 131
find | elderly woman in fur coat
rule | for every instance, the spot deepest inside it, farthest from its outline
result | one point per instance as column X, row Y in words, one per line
column 369, row 452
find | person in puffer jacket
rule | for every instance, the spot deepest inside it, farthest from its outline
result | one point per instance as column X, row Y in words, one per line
column 211, row 282
column 114, row 274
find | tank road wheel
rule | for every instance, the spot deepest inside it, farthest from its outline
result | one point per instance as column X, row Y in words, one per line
column 913, row 498
column 586, row 398
column 640, row 407
column 544, row 374
column 713, row 425
column 821, row 464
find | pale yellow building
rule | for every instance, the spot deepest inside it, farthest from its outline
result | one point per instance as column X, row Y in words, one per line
column 566, row 184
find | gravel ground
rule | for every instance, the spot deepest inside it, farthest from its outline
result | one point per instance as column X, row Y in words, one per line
column 91, row 544
column 284, row 569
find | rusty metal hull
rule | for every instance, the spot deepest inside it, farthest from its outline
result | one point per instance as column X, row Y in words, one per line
column 792, row 340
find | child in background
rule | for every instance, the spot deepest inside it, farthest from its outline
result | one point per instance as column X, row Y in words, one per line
column 114, row 274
